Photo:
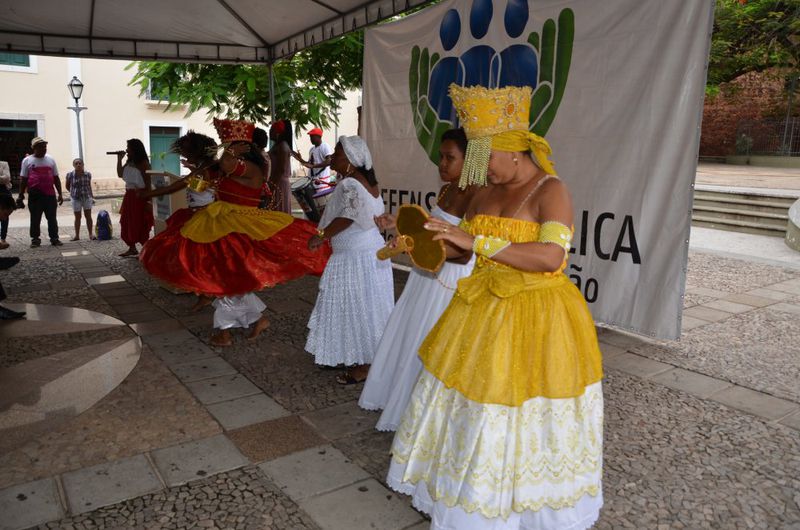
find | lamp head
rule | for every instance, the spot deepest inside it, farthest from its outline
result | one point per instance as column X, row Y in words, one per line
column 75, row 88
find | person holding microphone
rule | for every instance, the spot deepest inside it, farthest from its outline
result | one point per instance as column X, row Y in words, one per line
column 136, row 213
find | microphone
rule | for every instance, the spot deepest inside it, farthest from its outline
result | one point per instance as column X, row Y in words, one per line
column 120, row 152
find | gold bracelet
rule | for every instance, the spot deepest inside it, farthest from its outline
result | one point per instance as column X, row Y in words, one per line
column 488, row 246
column 321, row 233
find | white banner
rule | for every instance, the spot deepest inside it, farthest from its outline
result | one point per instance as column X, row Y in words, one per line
column 618, row 93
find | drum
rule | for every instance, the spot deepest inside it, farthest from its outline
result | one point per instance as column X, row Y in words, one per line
column 303, row 191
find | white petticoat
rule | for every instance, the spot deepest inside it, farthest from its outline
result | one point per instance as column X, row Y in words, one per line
column 476, row 465
column 356, row 297
column 237, row 311
column 397, row 365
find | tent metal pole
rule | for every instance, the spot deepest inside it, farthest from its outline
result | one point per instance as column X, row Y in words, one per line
column 271, row 93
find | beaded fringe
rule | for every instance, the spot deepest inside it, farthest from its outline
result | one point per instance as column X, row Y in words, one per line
column 476, row 162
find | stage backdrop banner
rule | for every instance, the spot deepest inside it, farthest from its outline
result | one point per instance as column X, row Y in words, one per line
column 618, row 93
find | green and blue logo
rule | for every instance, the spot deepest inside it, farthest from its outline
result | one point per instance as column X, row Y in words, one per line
column 541, row 61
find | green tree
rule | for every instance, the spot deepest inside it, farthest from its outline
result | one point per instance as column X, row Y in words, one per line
column 752, row 36
column 308, row 87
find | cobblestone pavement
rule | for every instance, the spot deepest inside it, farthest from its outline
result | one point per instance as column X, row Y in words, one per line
column 758, row 348
column 674, row 458
column 243, row 498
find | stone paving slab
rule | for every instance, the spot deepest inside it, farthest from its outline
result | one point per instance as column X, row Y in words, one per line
column 770, row 293
column 275, row 438
column 789, row 286
column 148, row 328
column 619, row 338
column 29, row 504
column 312, row 472
column 793, row 421
column 125, row 300
column 203, row 369
column 194, row 460
column 709, row 314
column 706, row 291
column 143, row 317
column 369, row 449
column 637, row 365
column 750, row 299
column 222, row 388
column 753, row 402
column 609, row 350
column 128, row 306
column 728, row 306
column 93, row 274
column 168, row 338
column 688, row 322
column 342, row 420
column 365, row 505
column 249, row 410
column 97, row 486
column 786, row 308
column 187, row 352
column 696, row 384
column 103, row 280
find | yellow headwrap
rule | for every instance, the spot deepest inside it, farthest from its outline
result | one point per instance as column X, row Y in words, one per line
column 496, row 118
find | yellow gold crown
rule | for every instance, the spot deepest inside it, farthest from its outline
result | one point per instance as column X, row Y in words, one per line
column 489, row 111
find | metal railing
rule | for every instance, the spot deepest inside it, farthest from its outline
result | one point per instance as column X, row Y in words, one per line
column 779, row 136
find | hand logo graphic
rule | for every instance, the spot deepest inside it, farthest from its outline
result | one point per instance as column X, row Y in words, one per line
column 542, row 62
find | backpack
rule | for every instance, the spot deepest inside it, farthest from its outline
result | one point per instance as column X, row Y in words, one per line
column 102, row 227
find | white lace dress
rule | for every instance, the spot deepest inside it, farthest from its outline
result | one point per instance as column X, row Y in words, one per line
column 396, row 365
column 356, row 291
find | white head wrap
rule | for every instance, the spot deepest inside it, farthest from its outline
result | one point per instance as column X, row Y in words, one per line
column 357, row 151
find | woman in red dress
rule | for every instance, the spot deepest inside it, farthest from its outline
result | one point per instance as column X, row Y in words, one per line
column 234, row 246
column 136, row 214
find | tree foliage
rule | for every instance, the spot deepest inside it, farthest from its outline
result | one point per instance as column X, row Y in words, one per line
column 308, row 87
column 752, row 36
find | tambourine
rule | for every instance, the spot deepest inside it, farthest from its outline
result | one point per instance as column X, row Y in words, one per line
column 415, row 240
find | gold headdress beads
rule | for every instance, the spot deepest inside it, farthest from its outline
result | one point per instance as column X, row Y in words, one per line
column 496, row 118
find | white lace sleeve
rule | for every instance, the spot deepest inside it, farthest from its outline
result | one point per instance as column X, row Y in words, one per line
column 351, row 202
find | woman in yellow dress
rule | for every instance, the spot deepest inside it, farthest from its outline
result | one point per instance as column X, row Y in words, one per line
column 505, row 425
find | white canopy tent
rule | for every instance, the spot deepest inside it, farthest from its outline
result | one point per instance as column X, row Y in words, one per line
column 215, row 31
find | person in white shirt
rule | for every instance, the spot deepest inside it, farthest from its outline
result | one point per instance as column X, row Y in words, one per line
column 39, row 176
column 319, row 162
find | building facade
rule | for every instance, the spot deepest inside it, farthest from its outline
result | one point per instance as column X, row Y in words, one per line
column 36, row 97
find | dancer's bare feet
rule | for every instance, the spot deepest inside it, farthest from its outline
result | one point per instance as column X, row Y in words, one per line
column 202, row 301
column 222, row 339
column 356, row 374
column 260, row 325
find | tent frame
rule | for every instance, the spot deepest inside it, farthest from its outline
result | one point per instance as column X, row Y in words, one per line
column 366, row 14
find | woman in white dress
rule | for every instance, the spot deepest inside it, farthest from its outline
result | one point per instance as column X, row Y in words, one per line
column 356, row 292
column 396, row 365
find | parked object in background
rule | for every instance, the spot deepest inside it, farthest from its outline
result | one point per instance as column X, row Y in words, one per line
column 104, row 230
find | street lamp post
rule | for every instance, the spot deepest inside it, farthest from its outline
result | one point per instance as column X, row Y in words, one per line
column 76, row 89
